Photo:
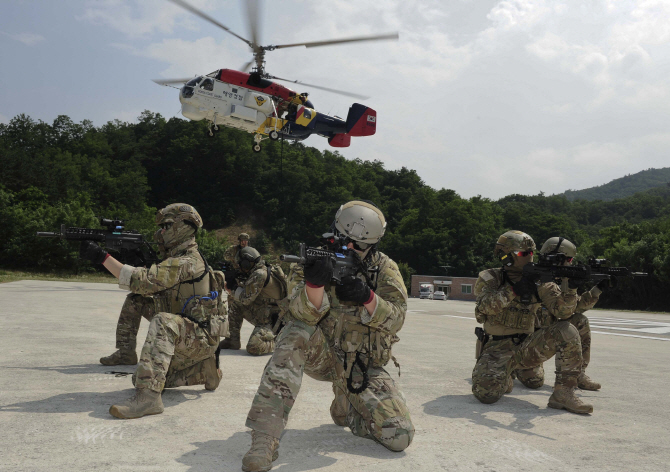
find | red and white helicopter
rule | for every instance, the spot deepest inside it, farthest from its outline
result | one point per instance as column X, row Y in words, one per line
column 254, row 103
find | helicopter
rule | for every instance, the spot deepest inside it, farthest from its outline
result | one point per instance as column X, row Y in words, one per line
column 253, row 102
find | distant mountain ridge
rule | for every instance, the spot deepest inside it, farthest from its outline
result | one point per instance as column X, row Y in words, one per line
column 624, row 186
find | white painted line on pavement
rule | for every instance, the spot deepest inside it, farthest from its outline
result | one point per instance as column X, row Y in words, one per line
column 631, row 335
column 464, row 317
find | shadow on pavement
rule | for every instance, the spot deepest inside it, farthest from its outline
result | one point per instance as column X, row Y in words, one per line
column 468, row 407
column 82, row 369
column 300, row 450
column 96, row 403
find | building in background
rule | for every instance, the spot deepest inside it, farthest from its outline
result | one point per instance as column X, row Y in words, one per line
column 456, row 288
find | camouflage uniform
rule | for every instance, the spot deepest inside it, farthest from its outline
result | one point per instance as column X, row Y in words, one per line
column 230, row 255
column 534, row 378
column 324, row 344
column 176, row 348
column 134, row 309
column 257, row 299
column 502, row 314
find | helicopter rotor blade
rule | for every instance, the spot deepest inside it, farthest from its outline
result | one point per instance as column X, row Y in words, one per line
column 206, row 17
column 247, row 65
column 327, row 89
column 330, row 42
column 171, row 81
column 253, row 8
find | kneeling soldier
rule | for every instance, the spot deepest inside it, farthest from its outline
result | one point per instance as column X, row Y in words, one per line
column 262, row 289
column 191, row 313
column 534, row 378
column 507, row 304
column 338, row 333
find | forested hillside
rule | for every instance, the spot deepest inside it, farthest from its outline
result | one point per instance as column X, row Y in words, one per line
column 623, row 187
column 68, row 172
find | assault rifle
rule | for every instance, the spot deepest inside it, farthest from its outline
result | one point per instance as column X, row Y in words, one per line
column 131, row 245
column 347, row 261
column 548, row 269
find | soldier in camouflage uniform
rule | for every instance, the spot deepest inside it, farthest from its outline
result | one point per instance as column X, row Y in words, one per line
column 338, row 334
column 230, row 255
column 257, row 299
column 507, row 304
column 134, row 309
column 190, row 313
column 534, row 378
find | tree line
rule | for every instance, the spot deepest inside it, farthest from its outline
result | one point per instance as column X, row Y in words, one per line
column 69, row 173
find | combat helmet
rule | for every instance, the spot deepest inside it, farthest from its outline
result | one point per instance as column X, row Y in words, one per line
column 247, row 258
column 180, row 222
column 558, row 245
column 513, row 241
column 243, row 237
column 360, row 221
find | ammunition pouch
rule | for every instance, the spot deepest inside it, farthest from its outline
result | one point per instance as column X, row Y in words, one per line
column 521, row 318
column 479, row 316
column 353, row 337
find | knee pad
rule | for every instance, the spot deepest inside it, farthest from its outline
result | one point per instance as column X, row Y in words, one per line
column 566, row 332
column 397, row 433
column 490, row 390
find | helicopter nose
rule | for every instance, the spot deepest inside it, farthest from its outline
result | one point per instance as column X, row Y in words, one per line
column 192, row 112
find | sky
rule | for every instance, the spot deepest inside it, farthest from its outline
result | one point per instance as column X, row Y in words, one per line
column 485, row 97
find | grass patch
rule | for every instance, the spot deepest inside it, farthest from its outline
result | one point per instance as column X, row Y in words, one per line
column 16, row 275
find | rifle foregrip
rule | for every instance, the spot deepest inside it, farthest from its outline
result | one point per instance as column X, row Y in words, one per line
column 289, row 258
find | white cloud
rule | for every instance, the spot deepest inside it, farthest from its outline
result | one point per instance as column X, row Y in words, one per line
column 29, row 39
column 142, row 17
column 486, row 97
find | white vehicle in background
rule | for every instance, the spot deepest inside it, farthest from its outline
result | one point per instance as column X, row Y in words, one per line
column 426, row 291
column 439, row 295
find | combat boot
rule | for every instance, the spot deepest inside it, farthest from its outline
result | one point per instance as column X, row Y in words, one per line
column 338, row 409
column 263, row 452
column 510, row 385
column 230, row 343
column 144, row 402
column 120, row 358
column 564, row 398
column 212, row 374
column 585, row 383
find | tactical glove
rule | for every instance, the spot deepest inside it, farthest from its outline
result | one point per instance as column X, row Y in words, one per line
column 320, row 271
column 353, row 289
column 91, row 251
column 574, row 283
column 231, row 280
column 524, row 288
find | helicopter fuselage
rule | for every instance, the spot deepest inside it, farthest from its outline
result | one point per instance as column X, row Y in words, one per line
column 256, row 105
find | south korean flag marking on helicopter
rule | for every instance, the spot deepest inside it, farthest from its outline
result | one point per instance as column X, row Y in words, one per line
column 372, row 119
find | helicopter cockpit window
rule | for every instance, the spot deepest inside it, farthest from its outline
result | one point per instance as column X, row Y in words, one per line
column 207, row 84
column 194, row 82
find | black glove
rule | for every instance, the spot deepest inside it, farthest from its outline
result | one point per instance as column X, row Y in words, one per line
column 320, row 271
column 524, row 288
column 91, row 251
column 231, row 279
column 575, row 283
column 353, row 289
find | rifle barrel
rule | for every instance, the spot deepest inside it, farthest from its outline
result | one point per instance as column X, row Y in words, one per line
column 289, row 258
column 47, row 234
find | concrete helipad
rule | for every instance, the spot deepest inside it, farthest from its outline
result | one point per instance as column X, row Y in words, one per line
column 55, row 396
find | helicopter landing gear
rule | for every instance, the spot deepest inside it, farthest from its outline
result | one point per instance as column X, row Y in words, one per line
column 213, row 128
column 257, row 142
column 273, row 135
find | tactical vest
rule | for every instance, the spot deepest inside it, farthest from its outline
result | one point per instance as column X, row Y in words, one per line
column 201, row 299
column 516, row 317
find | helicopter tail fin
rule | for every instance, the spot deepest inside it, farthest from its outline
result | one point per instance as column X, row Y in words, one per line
column 361, row 120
